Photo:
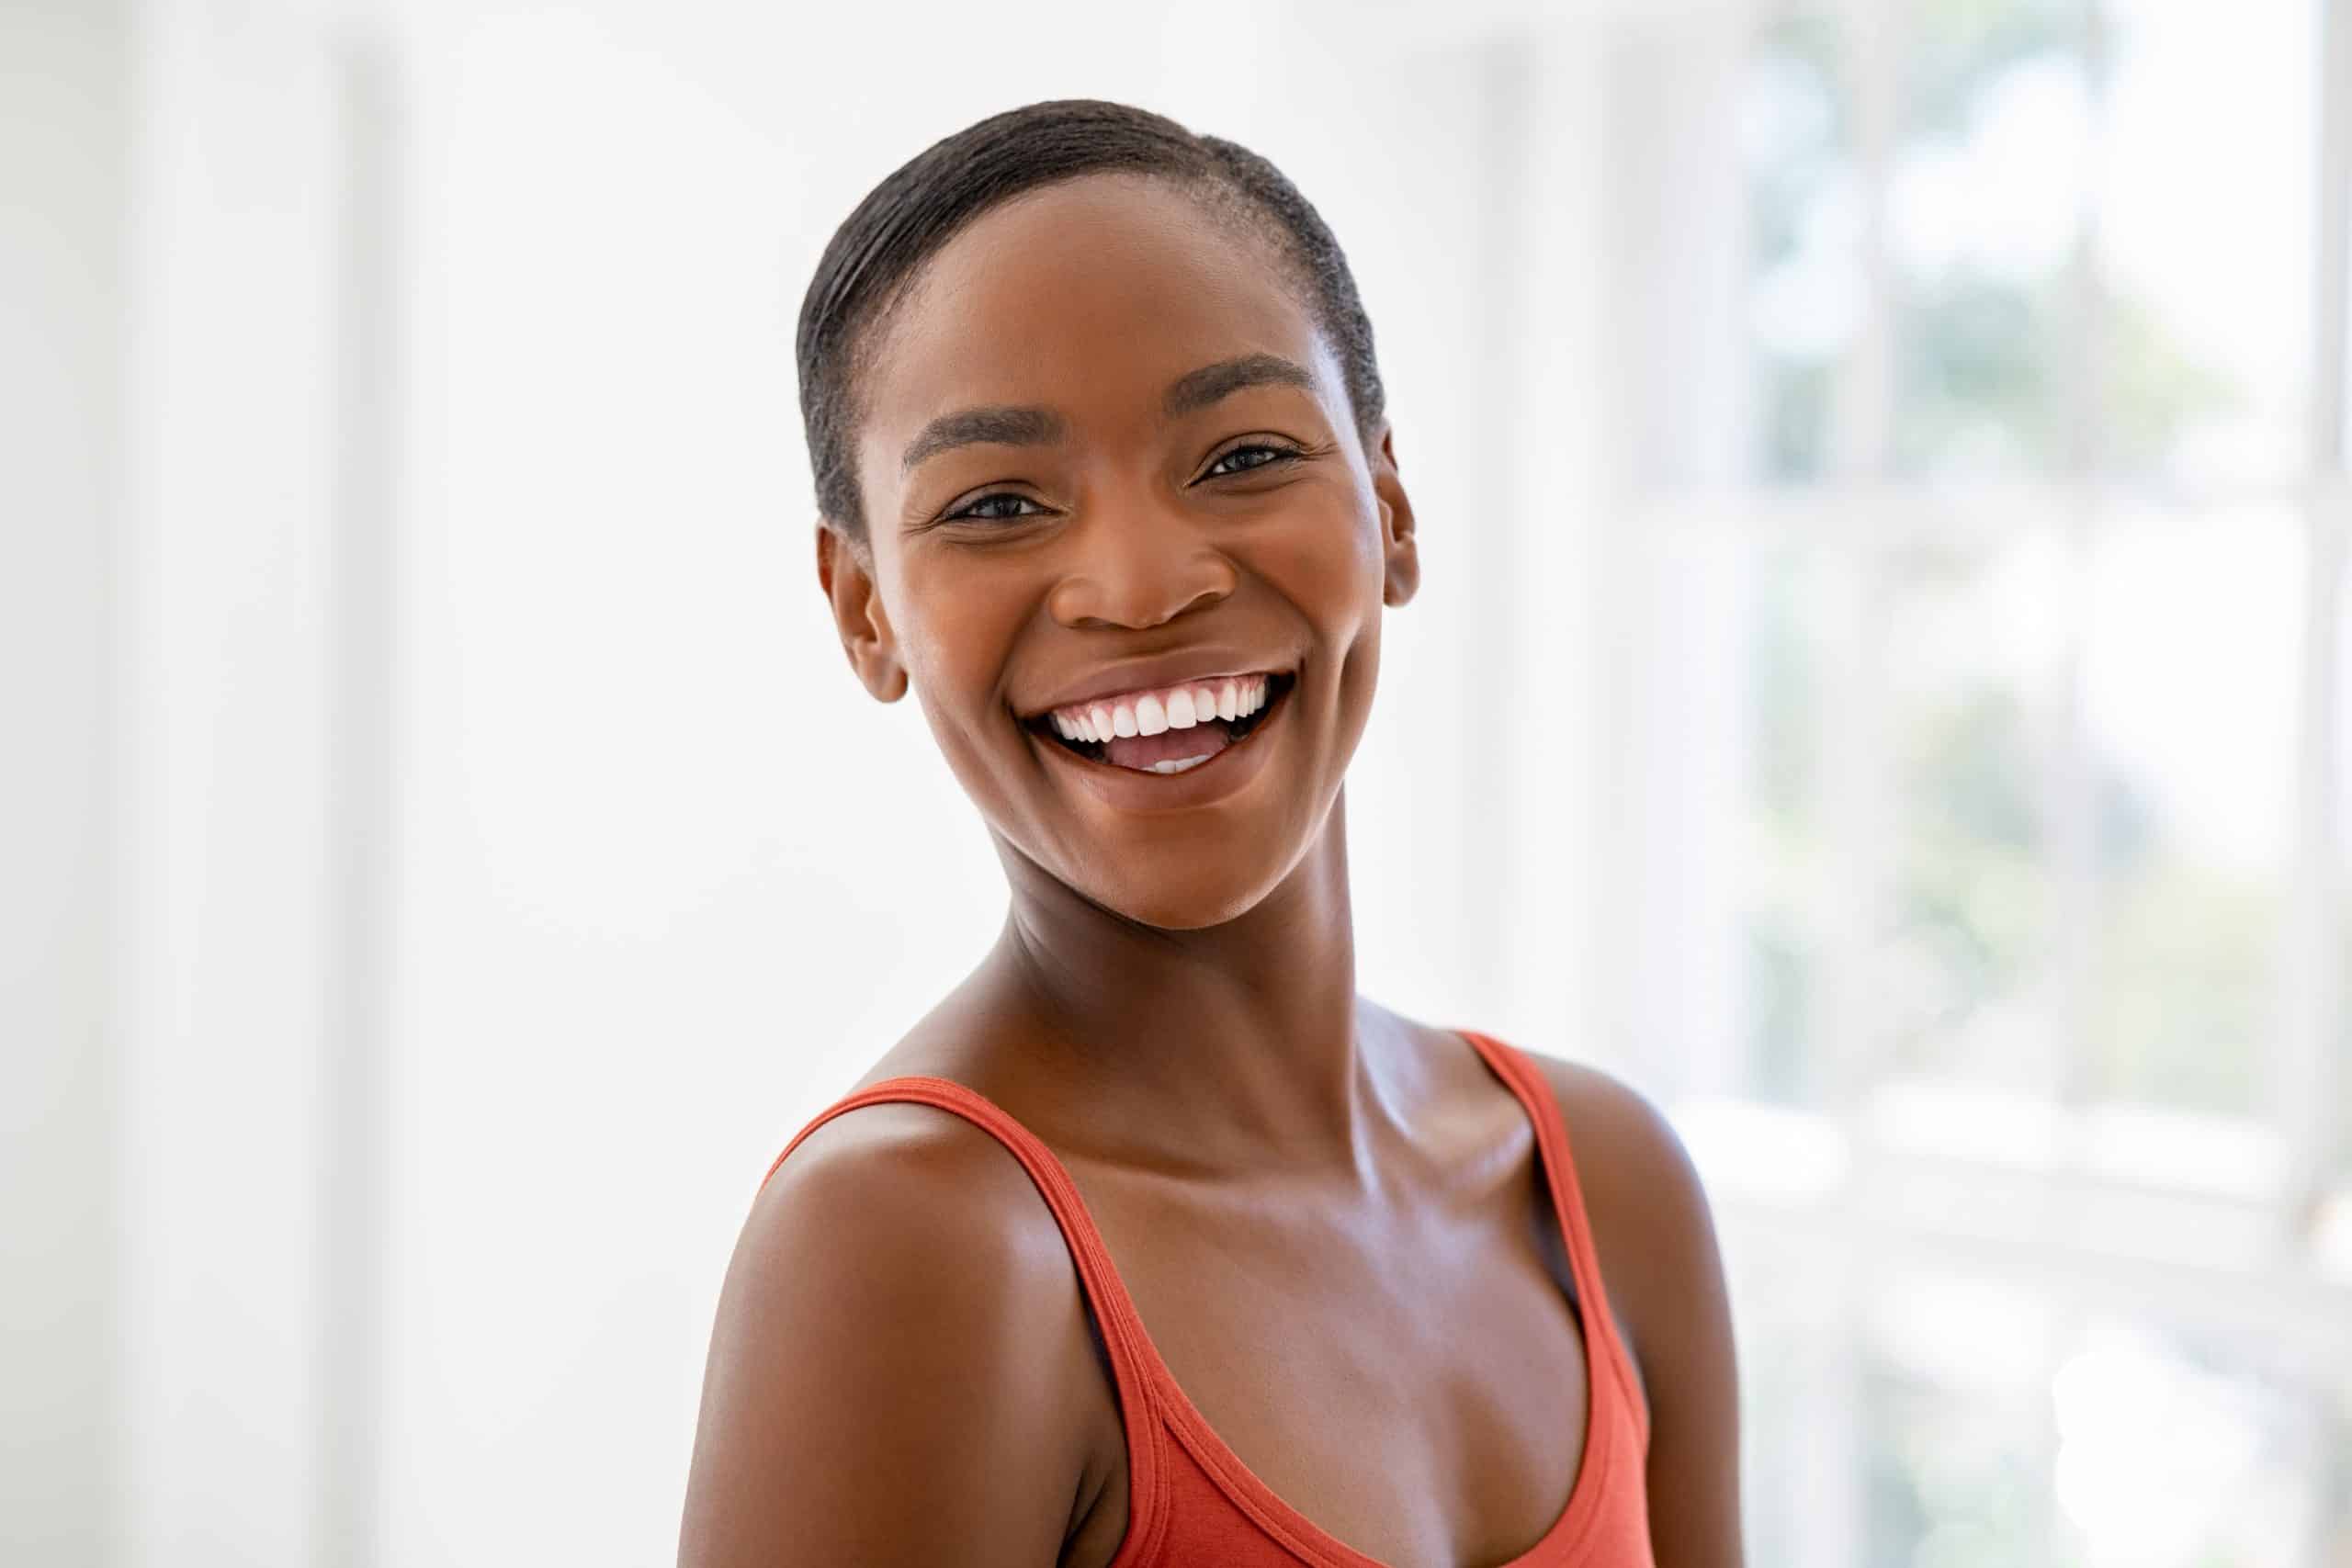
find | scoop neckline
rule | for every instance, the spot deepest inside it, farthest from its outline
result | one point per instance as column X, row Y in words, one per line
column 1302, row 1535
column 1165, row 1409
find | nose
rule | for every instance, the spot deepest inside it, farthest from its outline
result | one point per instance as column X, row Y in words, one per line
column 1137, row 564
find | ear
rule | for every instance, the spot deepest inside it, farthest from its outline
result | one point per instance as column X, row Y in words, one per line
column 846, row 572
column 1398, row 543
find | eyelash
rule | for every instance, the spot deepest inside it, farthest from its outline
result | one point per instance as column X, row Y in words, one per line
column 1281, row 455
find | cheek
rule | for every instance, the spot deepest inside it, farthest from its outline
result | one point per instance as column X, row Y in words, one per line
column 1328, row 561
column 956, row 619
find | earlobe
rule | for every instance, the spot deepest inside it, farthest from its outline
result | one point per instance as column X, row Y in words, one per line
column 845, row 575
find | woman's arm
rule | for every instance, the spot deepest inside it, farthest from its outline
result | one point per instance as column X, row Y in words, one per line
column 889, row 1381
column 1656, row 1234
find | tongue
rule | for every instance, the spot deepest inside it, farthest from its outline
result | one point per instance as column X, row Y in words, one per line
column 1169, row 745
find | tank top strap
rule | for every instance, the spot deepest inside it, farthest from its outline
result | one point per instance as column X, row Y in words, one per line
column 1527, row 1082
column 1122, row 1327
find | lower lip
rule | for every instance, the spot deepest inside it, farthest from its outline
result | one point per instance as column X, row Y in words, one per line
column 1131, row 789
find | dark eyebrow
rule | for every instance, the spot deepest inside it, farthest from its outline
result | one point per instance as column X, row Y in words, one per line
column 997, row 426
column 1196, row 390
column 1193, row 390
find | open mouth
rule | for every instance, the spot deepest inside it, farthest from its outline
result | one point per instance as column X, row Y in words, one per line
column 1170, row 749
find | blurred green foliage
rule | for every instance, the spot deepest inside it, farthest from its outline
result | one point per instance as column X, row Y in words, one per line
column 1981, row 376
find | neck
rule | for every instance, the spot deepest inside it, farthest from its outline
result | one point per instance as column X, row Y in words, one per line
column 1236, row 1046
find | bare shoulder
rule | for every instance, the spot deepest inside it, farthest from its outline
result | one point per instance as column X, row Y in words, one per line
column 1641, row 1188
column 1649, row 1212
column 894, row 1371
column 1654, row 1230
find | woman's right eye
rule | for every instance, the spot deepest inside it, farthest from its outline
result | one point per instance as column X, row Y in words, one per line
column 975, row 511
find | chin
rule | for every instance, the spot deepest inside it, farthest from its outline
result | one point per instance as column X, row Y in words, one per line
column 1184, row 903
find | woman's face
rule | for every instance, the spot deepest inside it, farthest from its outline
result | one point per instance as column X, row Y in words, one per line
column 1107, row 456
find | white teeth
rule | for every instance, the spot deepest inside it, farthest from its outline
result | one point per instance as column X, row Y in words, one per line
column 1178, row 764
column 1152, row 713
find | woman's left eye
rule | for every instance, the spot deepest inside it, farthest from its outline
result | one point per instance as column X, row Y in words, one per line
column 1272, row 455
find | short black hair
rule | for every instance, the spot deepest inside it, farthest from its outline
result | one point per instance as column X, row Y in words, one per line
column 879, row 250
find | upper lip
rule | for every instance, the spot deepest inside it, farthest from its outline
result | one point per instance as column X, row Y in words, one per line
column 1194, row 667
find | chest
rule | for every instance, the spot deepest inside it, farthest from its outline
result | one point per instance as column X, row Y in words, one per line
column 1416, row 1384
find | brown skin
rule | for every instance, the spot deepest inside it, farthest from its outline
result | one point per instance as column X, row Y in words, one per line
column 1331, row 1218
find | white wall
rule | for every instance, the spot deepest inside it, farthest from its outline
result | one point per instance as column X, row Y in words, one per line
column 235, row 1032
column 62, row 201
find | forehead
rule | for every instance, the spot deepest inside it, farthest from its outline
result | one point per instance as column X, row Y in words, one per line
column 1089, row 297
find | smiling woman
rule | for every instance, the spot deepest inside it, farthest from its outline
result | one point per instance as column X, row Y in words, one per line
column 1156, row 1242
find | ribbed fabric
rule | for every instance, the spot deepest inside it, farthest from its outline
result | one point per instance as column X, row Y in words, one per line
column 1191, row 1502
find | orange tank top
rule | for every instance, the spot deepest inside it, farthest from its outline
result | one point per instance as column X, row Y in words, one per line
column 1191, row 1500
